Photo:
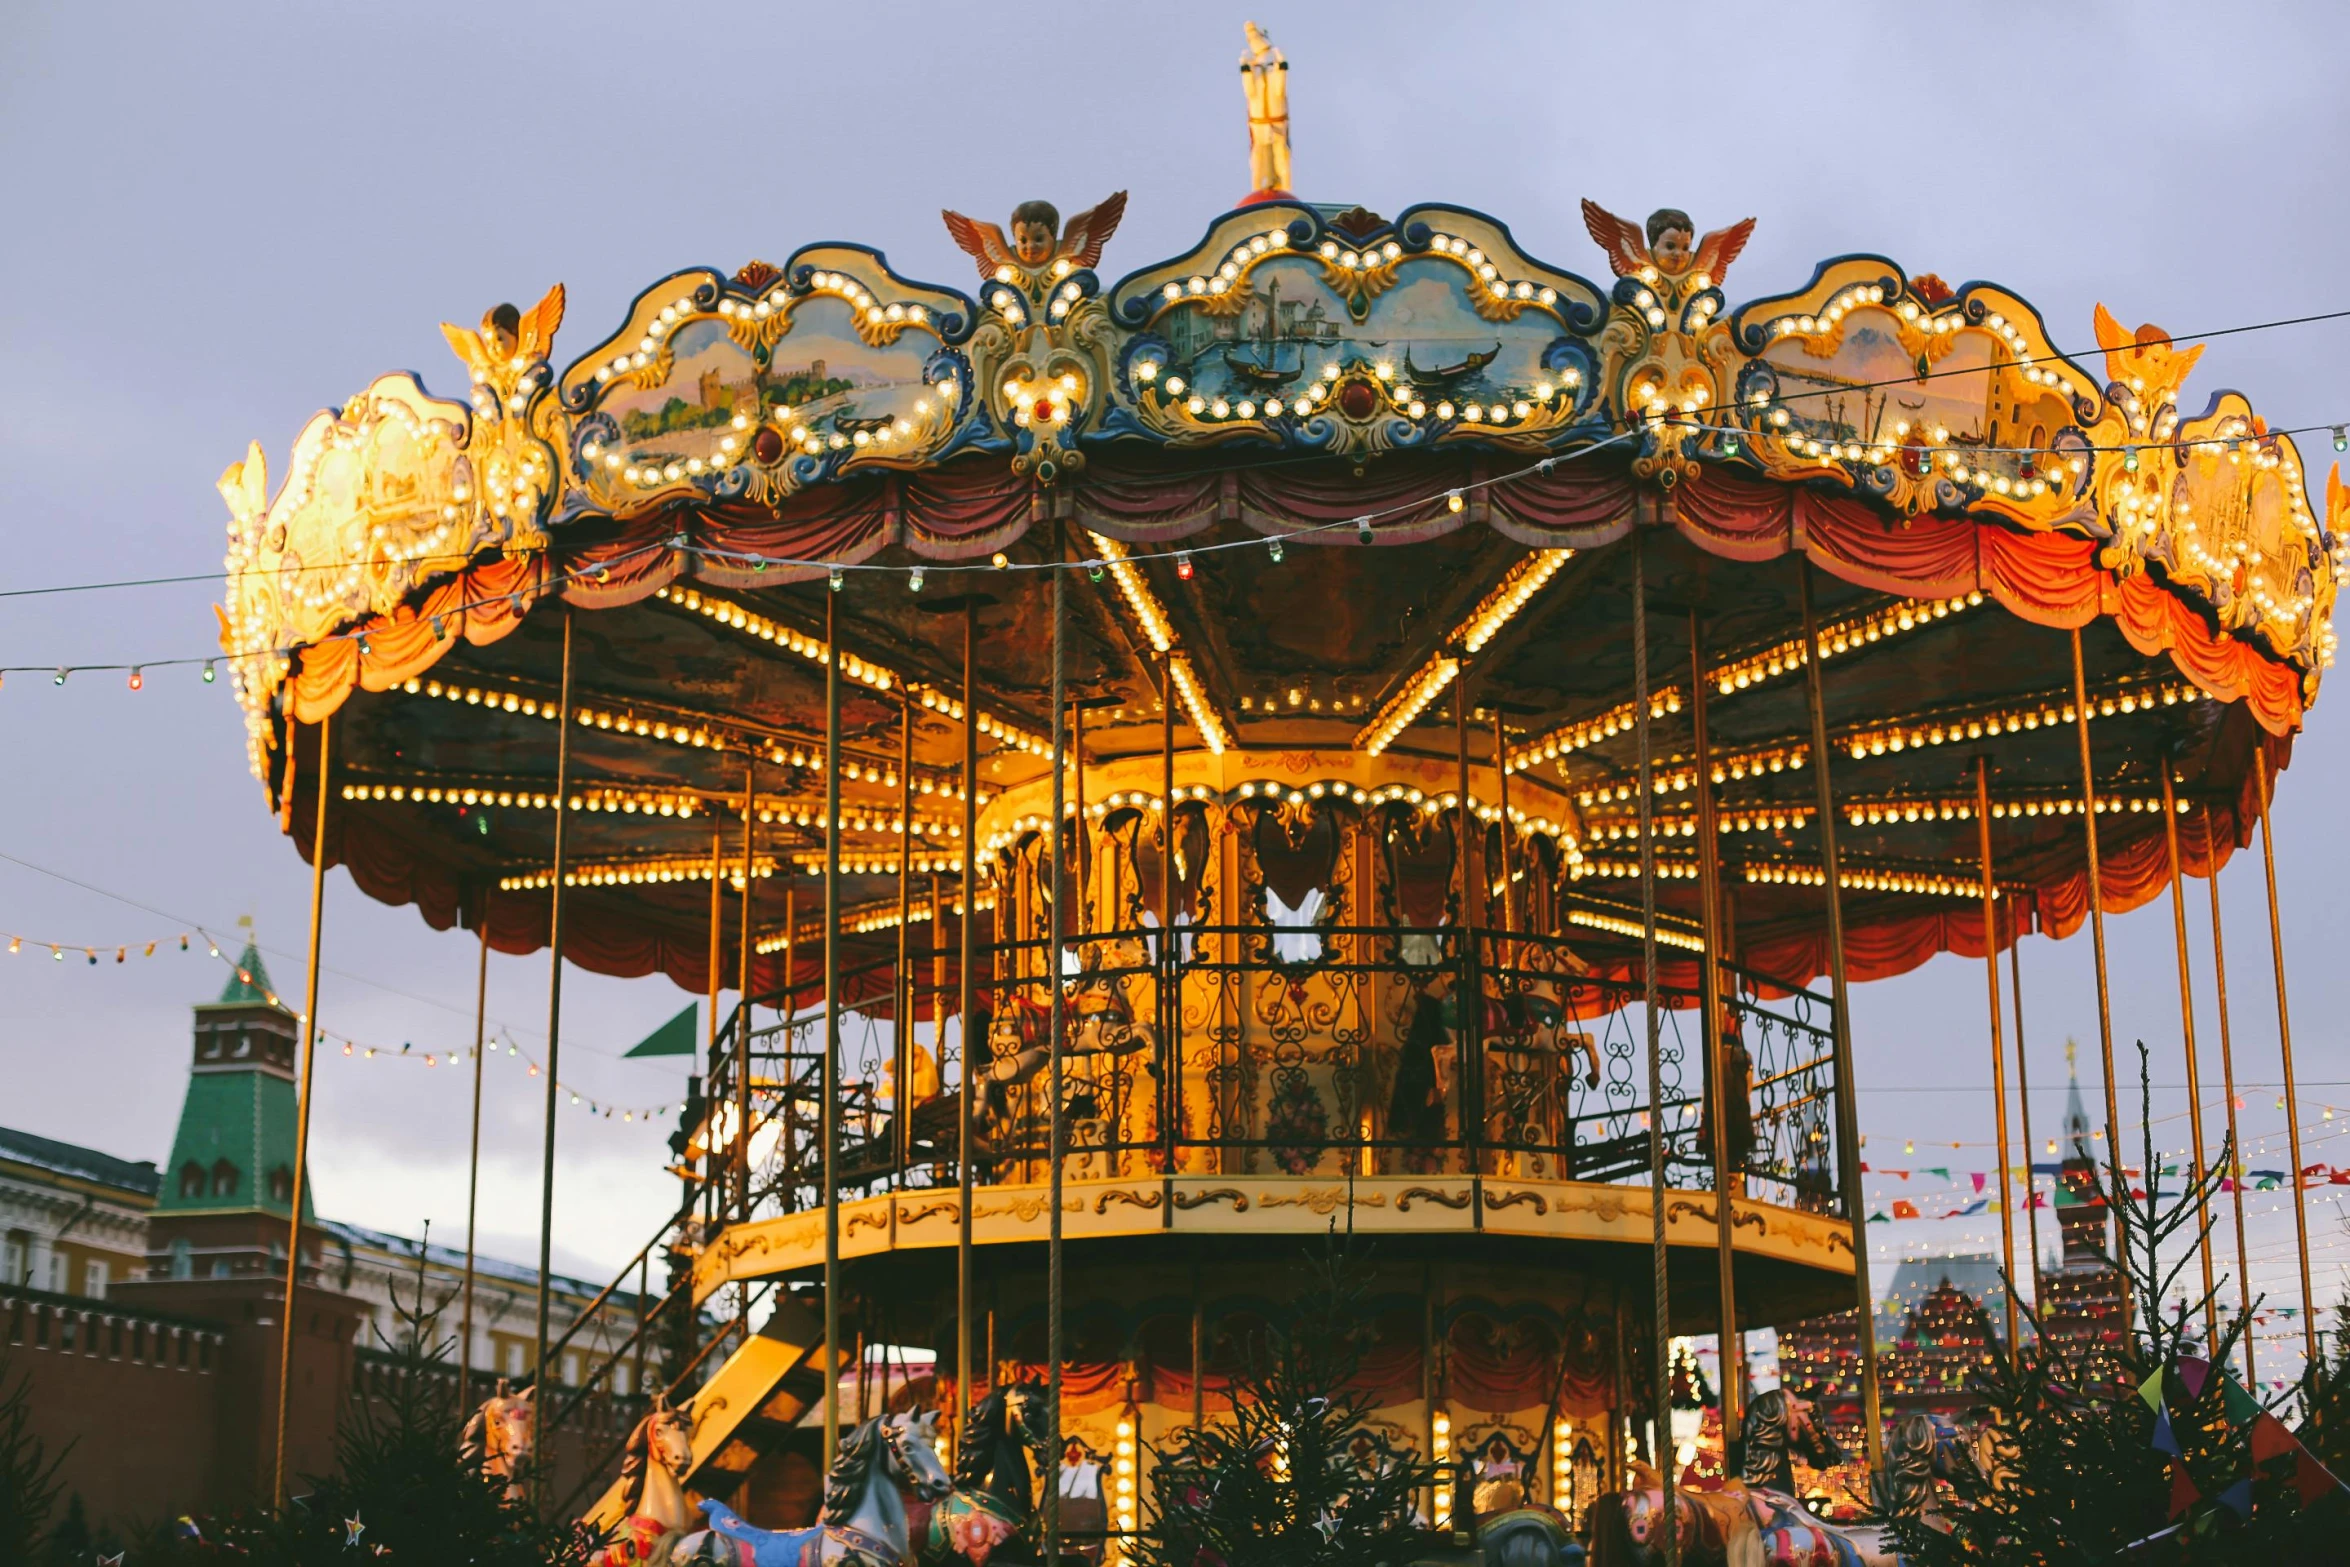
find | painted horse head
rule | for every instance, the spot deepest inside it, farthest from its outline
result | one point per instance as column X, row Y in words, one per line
column 501, row 1434
column 864, row 1514
column 1003, row 1430
column 654, row 1464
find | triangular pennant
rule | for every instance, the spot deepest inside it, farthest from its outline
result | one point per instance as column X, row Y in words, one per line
column 2270, row 1439
column 2151, row 1391
column 2183, row 1494
column 2241, row 1406
column 2165, row 1439
column 2237, row 1498
column 2311, row 1479
column 2194, row 1373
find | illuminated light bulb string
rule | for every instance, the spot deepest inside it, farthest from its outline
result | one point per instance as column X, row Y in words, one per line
column 355, row 1049
column 1184, row 557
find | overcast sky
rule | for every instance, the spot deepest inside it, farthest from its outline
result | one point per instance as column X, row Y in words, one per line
column 216, row 219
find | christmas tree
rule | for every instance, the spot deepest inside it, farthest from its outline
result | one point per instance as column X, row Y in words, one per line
column 1296, row 1475
column 29, row 1486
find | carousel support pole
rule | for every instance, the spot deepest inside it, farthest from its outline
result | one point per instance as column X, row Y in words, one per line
column 285, row 1351
column 563, row 721
column 1057, row 1142
column 2023, row 1103
column 2276, row 939
column 2178, row 911
column 481, row 996
column 790, row 1010
column 1998, row 1046
column 2227, row 1067
column 1661, row 1288
column 1084, row 922
column 644, row 1285
column 1840, row 992
column 742, row 1026
column 965, row 1301
column 1469, row 1062
column 2113, row 1119
column 828, row 1109
column 901, row 1011
column 1717, row 1076
column 1170, row 947
column 938, row 974
column 1199, row 1339
column 1501, row 775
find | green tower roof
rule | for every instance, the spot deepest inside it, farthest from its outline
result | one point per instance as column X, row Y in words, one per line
column 249, row 985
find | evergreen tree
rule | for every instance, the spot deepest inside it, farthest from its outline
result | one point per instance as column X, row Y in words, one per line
column 2099, row 1454
column 1282, row 1481
column 28, row 1471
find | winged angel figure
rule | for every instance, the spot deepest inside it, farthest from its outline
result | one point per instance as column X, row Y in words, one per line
column 1662, row 249
column 509, row 343
column 1040, row 252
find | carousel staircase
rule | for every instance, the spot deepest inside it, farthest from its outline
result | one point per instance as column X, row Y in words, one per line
column 749, row 1404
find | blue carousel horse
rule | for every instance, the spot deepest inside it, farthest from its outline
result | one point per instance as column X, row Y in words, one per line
column 863, row 1522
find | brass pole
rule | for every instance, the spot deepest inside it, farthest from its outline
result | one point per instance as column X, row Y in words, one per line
column 717, row 932
column 2178, row 910
column 2227, row 1067
column 481, row 997
column 1058, row 1138
column 742, row 1026
column 1998, row 1046
column 2113, row 1147
column 965, row 1301
column 2023, row 1100
column 309, row 1023
column 563, row 722
column 1170, row 984
column 2276, row 939
column 1717, row 1075
column 1660, row 1285
column 1847, row 1096
column 1501, row 788
column 828, row 1111
column 1083, row 911
column 1468, row 1040
column 901, row 1010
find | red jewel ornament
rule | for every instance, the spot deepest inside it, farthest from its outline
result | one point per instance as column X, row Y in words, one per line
column 1044, row 410
column 767, row 445
column 1358, row 400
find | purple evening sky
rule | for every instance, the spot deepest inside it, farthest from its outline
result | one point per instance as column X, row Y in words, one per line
column 220, row 218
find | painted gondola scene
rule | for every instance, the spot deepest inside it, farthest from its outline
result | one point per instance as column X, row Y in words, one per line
column 1422, row 858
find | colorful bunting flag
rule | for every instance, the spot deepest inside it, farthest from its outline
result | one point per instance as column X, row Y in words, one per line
column 2151, row 1391
column 2165, row 1439
column 2183, row 1494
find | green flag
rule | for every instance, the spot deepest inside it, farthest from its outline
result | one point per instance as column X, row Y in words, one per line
column 677, row 1037
column 2241, row 1405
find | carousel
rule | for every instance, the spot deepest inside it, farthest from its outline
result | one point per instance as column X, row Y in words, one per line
column 1350, row 728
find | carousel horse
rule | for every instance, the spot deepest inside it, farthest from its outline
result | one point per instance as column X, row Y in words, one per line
column 1099, row 1019
column 654, row 1509
column 863, row 1522
column 994, row 1492
column 499, row 1436
column 1716, row 1529
column 1778, row 1426
column 1922, row 1448
column 919, row 1426
column 1511, row 1530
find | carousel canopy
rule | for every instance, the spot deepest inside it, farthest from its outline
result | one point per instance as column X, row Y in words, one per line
column 1311, row 482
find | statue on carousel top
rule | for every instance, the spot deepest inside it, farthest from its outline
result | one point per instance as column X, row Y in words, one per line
column 1264, row 78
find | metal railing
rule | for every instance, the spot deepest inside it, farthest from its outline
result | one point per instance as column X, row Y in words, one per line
column 1321, row 1050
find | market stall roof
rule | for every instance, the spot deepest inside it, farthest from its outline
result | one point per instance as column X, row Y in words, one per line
column 1304, row 477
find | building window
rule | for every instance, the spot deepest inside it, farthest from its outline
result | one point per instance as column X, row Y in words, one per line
column 571, row 1368
column 513, row 1360
column 183, row 1260
column 94, row 1280
column 56, row 1282
column 220, row 1267
column 224, row 1179
column 12, row 1261
column 191, row 1179
column 281, row 1184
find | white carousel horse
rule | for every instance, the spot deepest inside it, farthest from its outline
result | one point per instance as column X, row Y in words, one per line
column 654, row 1509
column 1099, row 1019
column 500, row 1437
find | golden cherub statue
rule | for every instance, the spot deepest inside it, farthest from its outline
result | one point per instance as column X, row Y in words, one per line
column 509, row 343
column 1039, row 253
column 1663, row 249
column 1264, row 79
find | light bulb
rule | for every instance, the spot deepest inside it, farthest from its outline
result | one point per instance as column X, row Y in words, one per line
column 1183, row 564
column 61, row 674
column 137, row 680
column 914, row 580
column 2341, row 438
column 1273, row 547
column 2130, row 459
column 835, row 580
column 1363, row 529
column 1452, row 500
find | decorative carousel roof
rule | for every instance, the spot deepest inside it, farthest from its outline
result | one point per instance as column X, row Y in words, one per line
column 1308, row 475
